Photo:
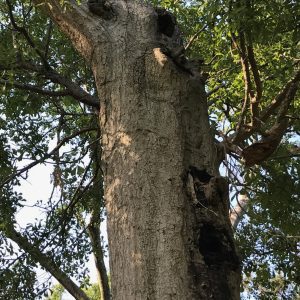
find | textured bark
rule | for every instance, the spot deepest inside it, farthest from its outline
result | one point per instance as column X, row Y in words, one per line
column 155, row 125
column 169, row 232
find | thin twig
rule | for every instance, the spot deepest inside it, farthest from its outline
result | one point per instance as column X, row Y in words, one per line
column 34, row 88
column 222, row 85
column 47, row 155
column 48, row 37
column 24, row 32
column 194, row 37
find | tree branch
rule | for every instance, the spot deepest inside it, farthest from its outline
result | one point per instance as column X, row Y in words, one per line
column 255, row 101
column 208, row 94
column 47, row 155
column 73, row 88
column 36, row 89
column 194, row 37
column 48, row 38
column 281, row 101
column 263, row 148
column 45, row 261
column 247, row 80
column 24, row 32
column 95, row 237
column 287, row 94
column 239, row 210
column 93, row 228
column 75, row 21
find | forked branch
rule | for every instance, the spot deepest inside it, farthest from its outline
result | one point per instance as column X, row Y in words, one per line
column 286, row 95
column 72, row 88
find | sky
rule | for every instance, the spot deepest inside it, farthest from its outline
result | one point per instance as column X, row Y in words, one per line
column 36, row 187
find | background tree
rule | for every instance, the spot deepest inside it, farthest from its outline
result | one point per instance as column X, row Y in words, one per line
column 250, row 50
column 56, row 292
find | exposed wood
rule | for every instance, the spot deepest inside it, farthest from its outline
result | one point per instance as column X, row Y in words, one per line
column 239, row 210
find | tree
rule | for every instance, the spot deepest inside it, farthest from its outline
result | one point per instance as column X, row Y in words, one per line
column 56, row 293
column 168, row 222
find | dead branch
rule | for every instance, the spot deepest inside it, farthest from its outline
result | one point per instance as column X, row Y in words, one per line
column 239, row 210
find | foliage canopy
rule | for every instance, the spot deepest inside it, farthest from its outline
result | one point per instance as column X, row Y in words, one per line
column 250, row 53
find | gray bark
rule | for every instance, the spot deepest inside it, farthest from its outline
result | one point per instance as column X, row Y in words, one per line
column 169, row 233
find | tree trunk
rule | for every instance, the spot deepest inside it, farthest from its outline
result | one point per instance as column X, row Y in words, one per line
column 168, row 223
